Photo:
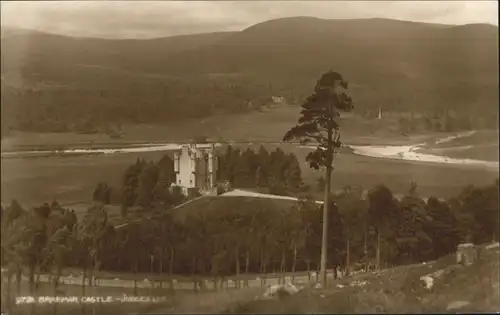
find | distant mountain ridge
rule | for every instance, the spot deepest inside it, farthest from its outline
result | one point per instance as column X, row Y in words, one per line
column 398, row 64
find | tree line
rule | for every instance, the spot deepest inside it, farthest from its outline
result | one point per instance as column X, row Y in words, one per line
column 443, row 121
column 274, row 172
column 104, row 108
column 255, row 236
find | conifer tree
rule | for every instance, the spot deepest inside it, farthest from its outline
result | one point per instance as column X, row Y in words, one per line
column 318, row 123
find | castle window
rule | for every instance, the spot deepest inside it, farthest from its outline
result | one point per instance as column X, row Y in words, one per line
column 190, row 181
column 179, row 181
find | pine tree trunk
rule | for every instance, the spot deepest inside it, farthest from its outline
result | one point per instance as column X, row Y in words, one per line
column 84, row 275
column 348, row 256
column 37, row 280
column 378, row 249
column 247, row 265
column 171, row 263
column 193, row 265
column 283, row 261
column 56, row 282
column 262, row 269
column 31, row 279
column 161, row 269
column 214, row 272
column 324, row 238
column 294, row 265
column 237, row 266
column 171, row 267
column 56, row 279
column 365, row 252
column 90, row 277
column 134, row 268
column 9, row 289
column 18, row 280
column 365, row 238
column 247, row 260
column 37, row 284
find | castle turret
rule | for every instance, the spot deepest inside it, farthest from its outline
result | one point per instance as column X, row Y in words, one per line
column 212, row 168
column 176, row 162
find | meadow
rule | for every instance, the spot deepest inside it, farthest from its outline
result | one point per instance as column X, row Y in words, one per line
column 72, row 179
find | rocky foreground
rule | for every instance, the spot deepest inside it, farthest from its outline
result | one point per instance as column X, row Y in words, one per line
column 439, row 286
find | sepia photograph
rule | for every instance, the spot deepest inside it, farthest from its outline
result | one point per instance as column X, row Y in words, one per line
column 249, row 157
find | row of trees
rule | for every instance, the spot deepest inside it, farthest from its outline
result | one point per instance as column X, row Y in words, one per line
column 236, row 236
column 276, row 172
column 444, row 122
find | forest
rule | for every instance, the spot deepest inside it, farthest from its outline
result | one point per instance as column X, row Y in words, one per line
column 133, row 102
column 108, row 108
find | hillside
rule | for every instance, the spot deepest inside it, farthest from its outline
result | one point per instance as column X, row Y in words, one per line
column 397, row 290
column 400, row 65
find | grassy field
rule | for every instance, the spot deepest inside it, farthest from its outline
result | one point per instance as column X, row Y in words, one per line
column 72, row 179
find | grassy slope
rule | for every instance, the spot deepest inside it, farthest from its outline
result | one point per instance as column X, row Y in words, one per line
column 398, row 290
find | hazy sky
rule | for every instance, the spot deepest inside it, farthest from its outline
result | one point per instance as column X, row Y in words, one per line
column 138, row 19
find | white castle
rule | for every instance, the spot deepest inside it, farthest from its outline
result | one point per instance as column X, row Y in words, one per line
column 195, row 167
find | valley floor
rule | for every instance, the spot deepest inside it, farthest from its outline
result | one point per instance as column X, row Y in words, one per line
column 72, row 179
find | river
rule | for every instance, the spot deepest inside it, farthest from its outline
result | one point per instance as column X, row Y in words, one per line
column 399, row 152
column 410, row 153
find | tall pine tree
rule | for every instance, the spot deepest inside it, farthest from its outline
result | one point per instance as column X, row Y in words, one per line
column 318, row 123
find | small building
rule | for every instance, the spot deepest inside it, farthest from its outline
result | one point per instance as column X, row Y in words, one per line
column 195, row 167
